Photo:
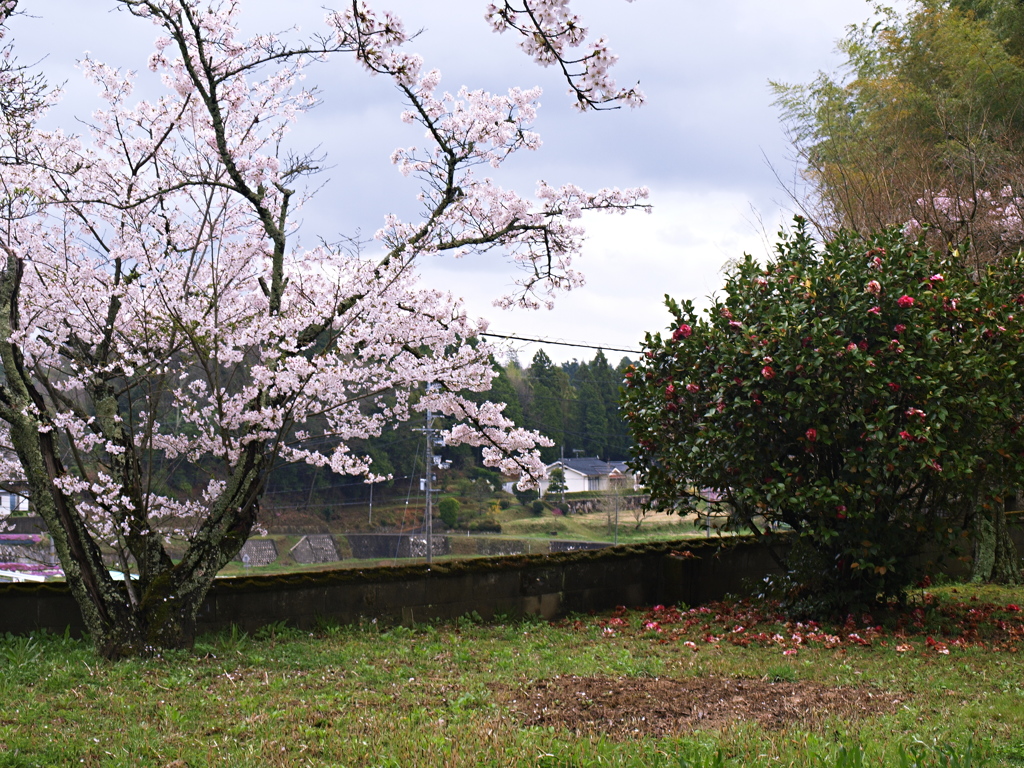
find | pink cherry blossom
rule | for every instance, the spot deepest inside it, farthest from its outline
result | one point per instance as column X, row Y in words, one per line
column 167, row 313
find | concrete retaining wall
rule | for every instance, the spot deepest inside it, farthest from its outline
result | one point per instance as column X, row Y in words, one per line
column 549, row 585
column 545, row 585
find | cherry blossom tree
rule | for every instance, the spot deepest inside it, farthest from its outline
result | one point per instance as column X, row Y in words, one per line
column 155, row 311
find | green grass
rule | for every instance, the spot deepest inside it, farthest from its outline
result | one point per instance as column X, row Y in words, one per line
column 599, row 526
column 373, row 696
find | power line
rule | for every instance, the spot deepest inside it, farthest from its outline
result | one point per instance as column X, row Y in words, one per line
column 560, row 343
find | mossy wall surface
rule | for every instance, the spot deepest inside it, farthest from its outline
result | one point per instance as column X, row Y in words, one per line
column 550, row 586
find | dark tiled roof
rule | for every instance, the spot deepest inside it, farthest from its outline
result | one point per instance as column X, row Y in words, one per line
column 592, row 466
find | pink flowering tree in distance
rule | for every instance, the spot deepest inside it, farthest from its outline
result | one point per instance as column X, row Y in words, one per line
column 865, row 395
column 156, row 311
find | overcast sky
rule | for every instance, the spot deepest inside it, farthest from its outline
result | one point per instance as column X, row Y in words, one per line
column 705, row 143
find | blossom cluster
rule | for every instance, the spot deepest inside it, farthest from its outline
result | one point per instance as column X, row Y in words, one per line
column 162, row 289
column 550, row 30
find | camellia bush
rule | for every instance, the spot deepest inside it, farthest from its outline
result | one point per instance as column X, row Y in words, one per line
column 865, row 394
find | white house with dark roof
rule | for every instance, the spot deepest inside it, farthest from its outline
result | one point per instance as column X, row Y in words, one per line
column 591, row 474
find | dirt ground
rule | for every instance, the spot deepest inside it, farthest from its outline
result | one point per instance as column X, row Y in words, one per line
column 624, row 706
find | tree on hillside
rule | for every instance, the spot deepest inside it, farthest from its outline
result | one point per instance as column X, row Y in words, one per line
column 546, row 409
column 925, row 129
column 865, row 395
column 556, row 486
column 155, row 310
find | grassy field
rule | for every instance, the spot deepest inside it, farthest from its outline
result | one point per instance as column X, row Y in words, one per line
column 940, row 685
column 599, row 526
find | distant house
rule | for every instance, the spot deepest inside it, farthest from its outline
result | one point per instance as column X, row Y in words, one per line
column 591, row 474
column 12, row 503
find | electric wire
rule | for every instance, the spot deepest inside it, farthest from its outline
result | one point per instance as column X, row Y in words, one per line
column 560, row 343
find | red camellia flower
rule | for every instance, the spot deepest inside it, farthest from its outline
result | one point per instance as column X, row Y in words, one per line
column 693, row 388
column 905, row 301
column 906, row 435
column 812, row 434
column 670, row 390
column 768, row 372
column 874, row 311
column 682, row 332
column 899, row 328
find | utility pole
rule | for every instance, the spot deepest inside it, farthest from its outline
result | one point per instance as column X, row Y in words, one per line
column 432, row 462
column 428, row 519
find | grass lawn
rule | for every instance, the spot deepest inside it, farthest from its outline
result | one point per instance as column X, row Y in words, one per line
column 726, row 685
column 599, row 526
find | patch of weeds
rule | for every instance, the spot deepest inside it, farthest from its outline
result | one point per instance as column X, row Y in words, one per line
column 20, row 651
column 632, row 666
column 399, row 632
column 234, row 641
column 781, row 673
column 273, row 631
column 471, row 619
column 704, row 760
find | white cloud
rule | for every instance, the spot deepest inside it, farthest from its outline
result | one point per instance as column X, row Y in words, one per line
column 630, row 262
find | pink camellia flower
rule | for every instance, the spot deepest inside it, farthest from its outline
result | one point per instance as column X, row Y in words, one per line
column 693, row 388
column 874, row 287
column 670, row 390
column 682, row 332
column 893, row 386
column 905, row 301
column 906, row 435
column 851, row 347
column 936, row 278
column 768, row 372
column 811, row 434
column 875, row 311
column 899, row 328
column 735, row 324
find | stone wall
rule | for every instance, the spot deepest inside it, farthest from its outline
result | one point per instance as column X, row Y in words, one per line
column 553, row 585
column 545, row 585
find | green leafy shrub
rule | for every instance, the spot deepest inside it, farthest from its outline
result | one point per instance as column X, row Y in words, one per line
column 448, row 510
column 865, row 395
column 537, row 507
column 526, row 497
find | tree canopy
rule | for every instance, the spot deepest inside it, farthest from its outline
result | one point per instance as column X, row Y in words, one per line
column 155, row 309
column 923, row 128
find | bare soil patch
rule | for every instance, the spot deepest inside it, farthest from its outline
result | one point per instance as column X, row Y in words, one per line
column 626, row 706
